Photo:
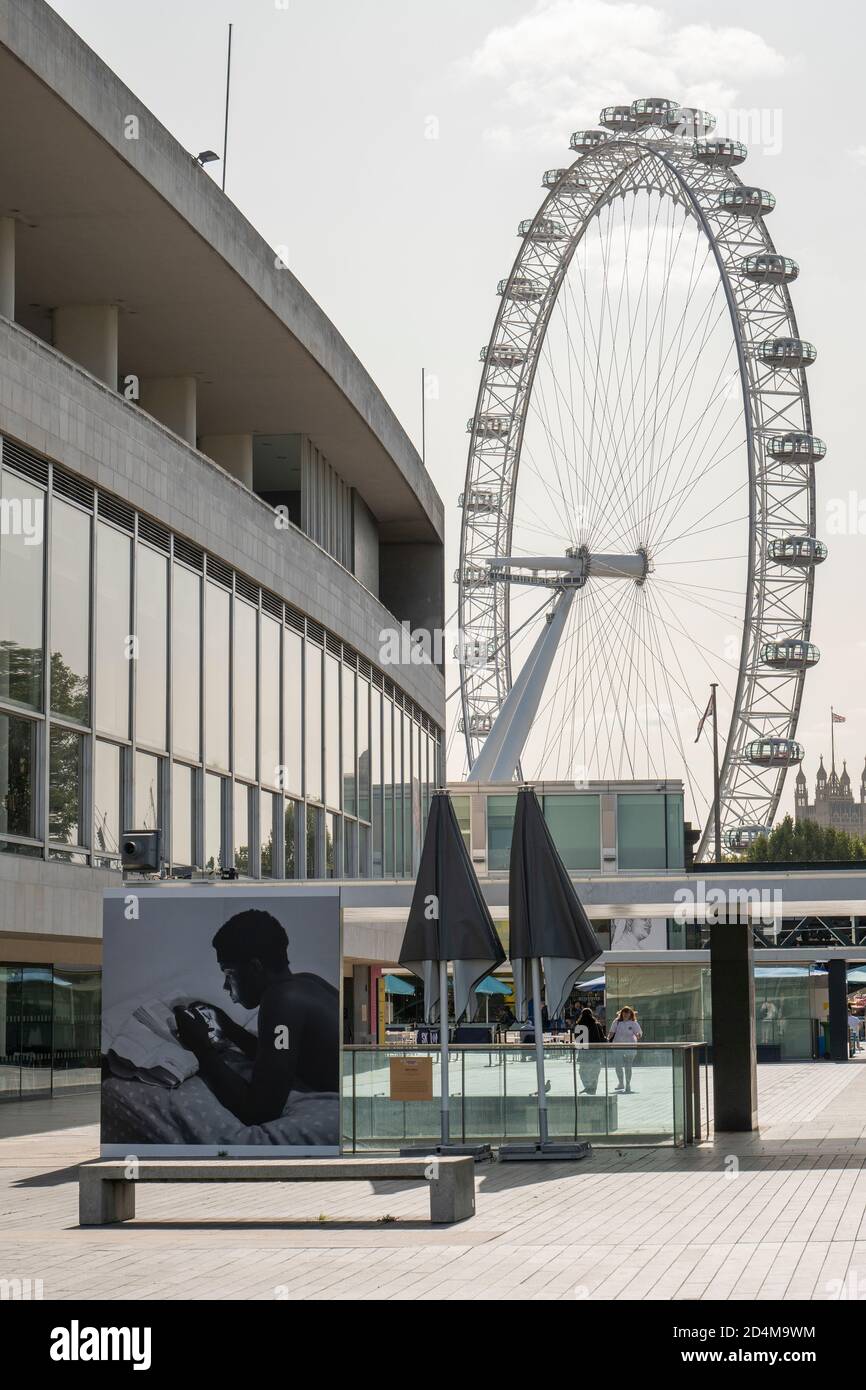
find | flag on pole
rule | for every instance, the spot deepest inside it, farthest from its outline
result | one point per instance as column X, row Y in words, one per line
column 837, row 718
column 705, row 716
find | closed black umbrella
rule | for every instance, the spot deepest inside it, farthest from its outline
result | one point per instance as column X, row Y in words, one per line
column 448, row 920
column 548, row 928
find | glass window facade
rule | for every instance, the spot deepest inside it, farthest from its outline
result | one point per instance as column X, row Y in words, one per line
column 500, row 823
column 648, row 836
column 179, row 696
column 49, row 1029
column 22, row 563
column 575, row 824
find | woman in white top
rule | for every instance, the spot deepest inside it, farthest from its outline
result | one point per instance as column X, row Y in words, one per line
column 626, row 1029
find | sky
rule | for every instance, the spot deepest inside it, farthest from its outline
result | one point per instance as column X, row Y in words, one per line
column 392, row 146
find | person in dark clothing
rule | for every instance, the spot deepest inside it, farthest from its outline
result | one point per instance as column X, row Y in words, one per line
column 296, row 1043
column 589, row 1063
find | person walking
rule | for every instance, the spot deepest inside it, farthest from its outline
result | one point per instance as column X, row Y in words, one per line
column 853, row 1032
column 589, row 1063
column 625, row 1030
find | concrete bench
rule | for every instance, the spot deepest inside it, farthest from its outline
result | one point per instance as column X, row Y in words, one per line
column 106, row 1192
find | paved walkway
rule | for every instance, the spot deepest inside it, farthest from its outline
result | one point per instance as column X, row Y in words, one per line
column 779, row 1214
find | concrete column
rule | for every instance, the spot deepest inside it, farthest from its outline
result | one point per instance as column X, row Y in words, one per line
column 233, row 452
column 732, row 983
column 172, row 401
column 7, row 267
column 88, row 334
column 837, row 981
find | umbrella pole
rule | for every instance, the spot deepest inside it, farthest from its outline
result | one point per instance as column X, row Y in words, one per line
column 539, row 1050
column 443, row 1044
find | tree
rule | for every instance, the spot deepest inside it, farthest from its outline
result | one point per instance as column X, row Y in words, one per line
column 804, row 842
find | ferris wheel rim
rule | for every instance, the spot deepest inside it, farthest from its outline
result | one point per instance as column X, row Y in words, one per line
column 679, row 162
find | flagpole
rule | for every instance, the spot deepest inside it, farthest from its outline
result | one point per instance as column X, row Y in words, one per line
column 717, row 796
column 832, row 741
column 539, row 1051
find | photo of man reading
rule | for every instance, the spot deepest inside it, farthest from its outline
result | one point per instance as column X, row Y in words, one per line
column 295, row 1046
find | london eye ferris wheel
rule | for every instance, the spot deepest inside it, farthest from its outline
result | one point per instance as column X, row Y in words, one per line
column 638, row 517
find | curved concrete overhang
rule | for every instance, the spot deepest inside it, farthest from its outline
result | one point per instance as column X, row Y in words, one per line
column 137, row 223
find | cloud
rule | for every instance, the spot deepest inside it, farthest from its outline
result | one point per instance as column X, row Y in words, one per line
column 559, row 64
column 858, row 154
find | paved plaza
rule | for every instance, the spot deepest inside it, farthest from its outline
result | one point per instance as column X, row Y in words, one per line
column 776, row 1215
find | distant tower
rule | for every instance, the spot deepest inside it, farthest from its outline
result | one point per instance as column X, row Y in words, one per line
column 821, row 781
column 863, row 786
column 845, row 784
column 801, row 791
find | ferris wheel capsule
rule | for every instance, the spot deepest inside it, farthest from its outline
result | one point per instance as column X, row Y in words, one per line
column 489, row 426
column 584, row 140
column 689, row 122
column 618, row 118
column 741, row 201
column 740, row 837
column 787, row 352
column 521, row 288
column 790, row 654
column 503, row 355
column 542, row 230
column 773, row 752
column 796, row 448
column 565, row 181
column 768, row 268
column 721, row 153
column 654, row 111
column 798, row 552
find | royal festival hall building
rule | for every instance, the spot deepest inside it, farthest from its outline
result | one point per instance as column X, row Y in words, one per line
column 210, row 516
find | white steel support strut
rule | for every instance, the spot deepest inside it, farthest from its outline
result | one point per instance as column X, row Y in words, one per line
column 503, row 746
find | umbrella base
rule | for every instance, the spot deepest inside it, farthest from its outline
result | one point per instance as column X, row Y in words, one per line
column 482, row 1153
column 551, row 1152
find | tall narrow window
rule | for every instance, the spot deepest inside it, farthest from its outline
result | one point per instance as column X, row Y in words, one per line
column 350, row 796
column 241, row 823
column 244, row 689
column 66, row 788
column 363, row 750
column 267, row 811
column 17, row 776
column 22, row 559
column 269, row 703
column 146, row 792
column 151, row 665
column 214, row 850
column 217, row 676
column 70, row 612
column 182, row 838
column 313, row 721
column 186, row 663
column 332, row 730
column 293, row 710
column 376, row 781
column 113, row 627
column 388, row 783
column 106, row 804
